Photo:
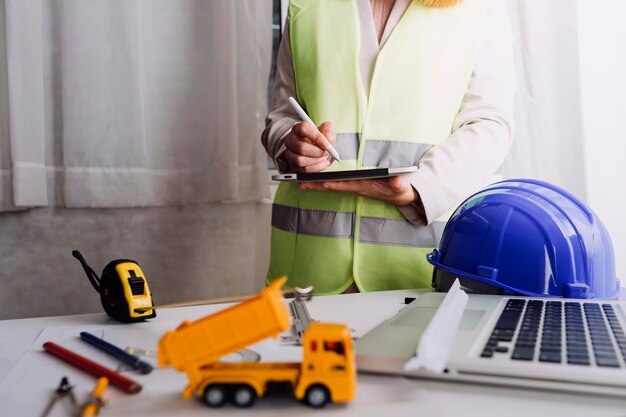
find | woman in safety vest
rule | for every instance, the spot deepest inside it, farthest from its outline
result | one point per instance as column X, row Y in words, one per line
column 391, row 83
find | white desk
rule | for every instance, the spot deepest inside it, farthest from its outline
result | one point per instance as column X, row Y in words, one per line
column 26, row 389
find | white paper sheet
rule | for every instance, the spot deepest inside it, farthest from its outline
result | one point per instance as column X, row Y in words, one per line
column 436, row 342
column 37, row 374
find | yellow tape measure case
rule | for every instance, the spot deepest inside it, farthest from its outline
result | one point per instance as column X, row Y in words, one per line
column 123, row 288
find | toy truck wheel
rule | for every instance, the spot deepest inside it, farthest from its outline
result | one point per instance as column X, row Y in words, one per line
column 215, row 395
column 243, row 396
column 317, row 396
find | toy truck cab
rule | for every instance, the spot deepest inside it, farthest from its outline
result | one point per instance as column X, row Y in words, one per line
column 328, row 368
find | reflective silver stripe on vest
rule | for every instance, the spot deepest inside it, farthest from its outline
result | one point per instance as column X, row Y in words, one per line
column 313, row 222
column 398, row 232
column 384, row 153
column 347, row 144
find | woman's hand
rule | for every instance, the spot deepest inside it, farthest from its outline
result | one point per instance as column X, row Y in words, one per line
column 306, row 146
column 395, row 190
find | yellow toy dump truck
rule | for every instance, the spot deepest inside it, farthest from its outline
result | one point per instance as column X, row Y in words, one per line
column 327, row 373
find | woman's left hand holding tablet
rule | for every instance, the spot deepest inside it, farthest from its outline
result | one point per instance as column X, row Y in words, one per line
column 395, row 190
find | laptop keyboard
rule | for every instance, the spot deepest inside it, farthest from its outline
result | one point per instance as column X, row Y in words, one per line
column 572, row 332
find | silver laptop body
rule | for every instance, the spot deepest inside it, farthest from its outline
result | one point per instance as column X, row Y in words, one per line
column 554, row 360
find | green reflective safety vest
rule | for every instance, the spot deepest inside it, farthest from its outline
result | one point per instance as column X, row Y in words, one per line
column 330, row 239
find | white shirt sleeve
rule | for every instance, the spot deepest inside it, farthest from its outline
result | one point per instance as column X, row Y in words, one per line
column 483, row 128
column 279, row 121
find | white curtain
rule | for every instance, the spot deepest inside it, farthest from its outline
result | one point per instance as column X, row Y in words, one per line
column 111, row 103
column 571, row 66
column 549, row 143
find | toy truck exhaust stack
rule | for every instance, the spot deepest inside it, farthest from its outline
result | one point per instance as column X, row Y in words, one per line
column 326, row 374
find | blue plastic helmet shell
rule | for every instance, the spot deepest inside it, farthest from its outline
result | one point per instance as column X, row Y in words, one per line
column 528, row 237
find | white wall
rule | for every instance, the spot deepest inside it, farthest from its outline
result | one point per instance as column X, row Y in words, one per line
column 602, row 40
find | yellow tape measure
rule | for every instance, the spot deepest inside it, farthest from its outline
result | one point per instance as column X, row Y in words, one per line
column 123, row 289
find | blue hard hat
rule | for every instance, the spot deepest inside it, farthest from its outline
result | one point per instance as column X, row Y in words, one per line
column 526, row 237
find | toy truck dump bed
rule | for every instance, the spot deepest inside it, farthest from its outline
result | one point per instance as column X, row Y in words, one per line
column 210, row 338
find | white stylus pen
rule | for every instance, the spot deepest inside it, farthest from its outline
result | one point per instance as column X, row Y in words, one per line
column 296, row 106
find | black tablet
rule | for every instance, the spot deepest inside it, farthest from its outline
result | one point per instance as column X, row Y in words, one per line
column 357, row 174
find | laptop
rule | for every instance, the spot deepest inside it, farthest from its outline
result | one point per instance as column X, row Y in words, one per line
column 543, row 343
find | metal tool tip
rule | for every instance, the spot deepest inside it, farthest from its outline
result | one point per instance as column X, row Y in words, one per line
column 303, row 293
